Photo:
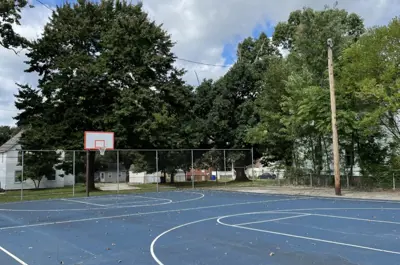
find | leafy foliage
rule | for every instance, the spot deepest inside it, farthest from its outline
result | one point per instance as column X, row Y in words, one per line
column 38, row 164
column 96, row 76
column 7, row 132
column 107, row 66
column 10, row 15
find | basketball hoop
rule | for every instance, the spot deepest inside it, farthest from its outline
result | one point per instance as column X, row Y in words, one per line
column 100, row 141
column 102, row 150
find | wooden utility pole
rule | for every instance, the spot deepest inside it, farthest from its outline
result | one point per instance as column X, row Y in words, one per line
column 335, row 138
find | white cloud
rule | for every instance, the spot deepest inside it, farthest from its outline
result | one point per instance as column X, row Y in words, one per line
column 200, row 28
column 12, row 66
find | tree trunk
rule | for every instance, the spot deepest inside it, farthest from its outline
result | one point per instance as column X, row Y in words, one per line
column 352, row 159
column 172, row 178
column 91, row 164
column 320, row 156
column 164, row 178
column 240, row 175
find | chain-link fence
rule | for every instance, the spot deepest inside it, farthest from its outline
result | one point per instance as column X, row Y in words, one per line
column 384, row 178
column 42, row 174
column 64, row 173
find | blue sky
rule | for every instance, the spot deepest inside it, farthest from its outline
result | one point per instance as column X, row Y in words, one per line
column 204, row 30
column 229, row 47
column 229, row 51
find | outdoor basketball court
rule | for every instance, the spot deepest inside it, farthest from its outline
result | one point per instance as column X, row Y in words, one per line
column 200, row 227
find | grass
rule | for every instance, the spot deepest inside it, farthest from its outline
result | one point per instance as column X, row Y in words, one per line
column 80, row 189
column 66, row 192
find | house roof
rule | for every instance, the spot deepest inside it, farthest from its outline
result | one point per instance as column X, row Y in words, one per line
column 11, row 143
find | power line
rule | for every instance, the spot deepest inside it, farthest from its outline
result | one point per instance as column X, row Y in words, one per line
column 180, row 59
column 45, row 5
column 201, row 63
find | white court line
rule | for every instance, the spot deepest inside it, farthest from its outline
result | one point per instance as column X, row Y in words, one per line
column 308, row 238
column 350, row 218
column 111, row 206
column 152, row 246
column 193, row 199
column 133, row 202
column 335, row 198
column 274, row 220
column 140, row 214
column 169, row 230
column 88, row 203
column 155, row 198
column 198, row 208
column 13, row 256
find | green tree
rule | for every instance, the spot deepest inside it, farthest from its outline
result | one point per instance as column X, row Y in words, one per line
column 369, row 74
column 10, row 15
column 224, row 109
column 105, row 67
column 6, row 133
column 305, row 35
column 305, row 113
column 371, row 68
column 38, row 164
column 36, row 136
column 269, row 132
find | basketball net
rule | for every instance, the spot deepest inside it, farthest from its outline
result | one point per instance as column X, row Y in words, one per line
column 102, row 150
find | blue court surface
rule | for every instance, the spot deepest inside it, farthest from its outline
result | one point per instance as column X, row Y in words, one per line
column 200, row 227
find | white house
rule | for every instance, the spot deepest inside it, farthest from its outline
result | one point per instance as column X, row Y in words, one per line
column 258, row 169
column 144, row 177
column 11, row 169
column 109, row 174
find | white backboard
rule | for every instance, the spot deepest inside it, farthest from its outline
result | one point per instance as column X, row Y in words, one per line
column 96, row 140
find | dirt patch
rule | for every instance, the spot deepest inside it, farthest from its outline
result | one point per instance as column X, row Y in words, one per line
column 114, row 186
column 321, row 192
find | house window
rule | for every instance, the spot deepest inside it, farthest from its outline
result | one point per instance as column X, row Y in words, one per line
column 19, row 157
column 102, row 175
column 109, row 174
column 17, row 176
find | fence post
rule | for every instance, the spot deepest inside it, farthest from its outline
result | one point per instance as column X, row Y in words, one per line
column 158, row 178
column 394, row 182
column 117, row 171
column 252, row 163
column 225, row 168
column 87, row 173
column 22, row 175
column 192, row 170
column 73, row 173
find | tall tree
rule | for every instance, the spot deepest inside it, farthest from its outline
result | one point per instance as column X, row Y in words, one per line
column 369, row 74
column 10, row 15
column 275, row 143
column 225, row 108
column 38, row 164
column 6, row 132
column 105, row 67
column 306, row 119
column 306, row 32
